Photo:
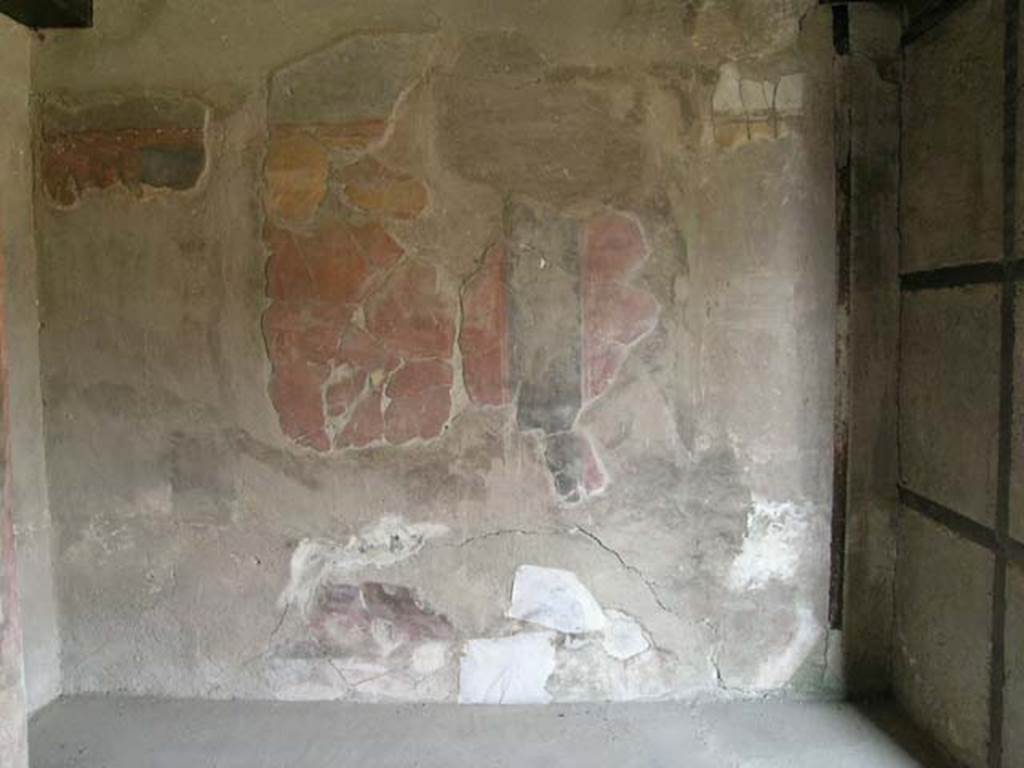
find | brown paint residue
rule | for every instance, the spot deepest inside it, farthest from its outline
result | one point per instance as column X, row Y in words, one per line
column 296, row 176
column 375, row 188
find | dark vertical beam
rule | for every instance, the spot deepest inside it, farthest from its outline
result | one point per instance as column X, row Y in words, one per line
column 931, row 17
column 41, row 14
column 844, row 244
column 1007, row 343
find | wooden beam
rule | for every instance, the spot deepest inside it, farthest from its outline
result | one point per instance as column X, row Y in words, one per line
column 49, row 14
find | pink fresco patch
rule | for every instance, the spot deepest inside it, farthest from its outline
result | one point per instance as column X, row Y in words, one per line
column 484, row 338
column 615, row 313
column 420, row 400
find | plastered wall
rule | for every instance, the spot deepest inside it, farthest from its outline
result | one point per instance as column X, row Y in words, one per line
column 957, row 645
column 453, row 351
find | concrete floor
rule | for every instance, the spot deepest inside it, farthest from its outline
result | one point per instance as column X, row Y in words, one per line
column 129, row 733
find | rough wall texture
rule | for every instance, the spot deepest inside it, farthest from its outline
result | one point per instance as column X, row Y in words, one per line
column 954, row 664
column 28, row 467
column 942, row 650
column 868, row 100
column 953, row 95
column 15, row 200
column 478, row 353
column 1013, row 747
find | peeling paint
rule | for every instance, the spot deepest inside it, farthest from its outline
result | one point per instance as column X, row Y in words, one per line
column 390, row 541
column 776, row 538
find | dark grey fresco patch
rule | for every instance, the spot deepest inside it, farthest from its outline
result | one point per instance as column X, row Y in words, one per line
column 172, row 167
column 545, row 317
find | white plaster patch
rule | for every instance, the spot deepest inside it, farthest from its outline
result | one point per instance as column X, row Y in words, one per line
column 556, row 599
column 507, row 670
column 429, row 658
column 623, row 637
column 780, row 668
column 789, row 95
column 775, row 539
column 585, row 672
column 756, row 99
column 757, row 96
column 390, row 541
column 726, row 98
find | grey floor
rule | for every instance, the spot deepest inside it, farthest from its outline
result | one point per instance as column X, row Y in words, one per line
column 145, row 733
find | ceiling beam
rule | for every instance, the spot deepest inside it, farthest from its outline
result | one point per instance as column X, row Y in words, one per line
column 49, row 14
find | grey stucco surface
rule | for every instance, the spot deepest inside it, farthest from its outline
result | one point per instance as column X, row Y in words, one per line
column 28, row 466
column 951, row 204
column 179, row 503
column 943, row 628
column 872, row 101
column 950, row 375
column 119, row 733
column 949, row 397
column 1013, row 701
column 15, row 232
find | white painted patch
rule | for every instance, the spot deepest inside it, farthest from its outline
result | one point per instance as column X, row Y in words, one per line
column 390, row 541
column 727, row 99
column 623, row 637
column 776, row 535
column 556, row 599
column 757, row 96
column 429, row 657
column 507, row 670
column 779, row 669
column 737, row 97
column 789, row 95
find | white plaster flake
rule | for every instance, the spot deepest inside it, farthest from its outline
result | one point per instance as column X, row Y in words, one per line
column 556, row 599
column 507, row 670
column 623, row 637
column 775, row 539
column 429, row 658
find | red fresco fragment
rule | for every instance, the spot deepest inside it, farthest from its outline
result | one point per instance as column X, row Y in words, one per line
column 410, row 315
column 366, row 425
column 328, row 374
column 420, row 395
column 484, row 337
column 615, row 312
